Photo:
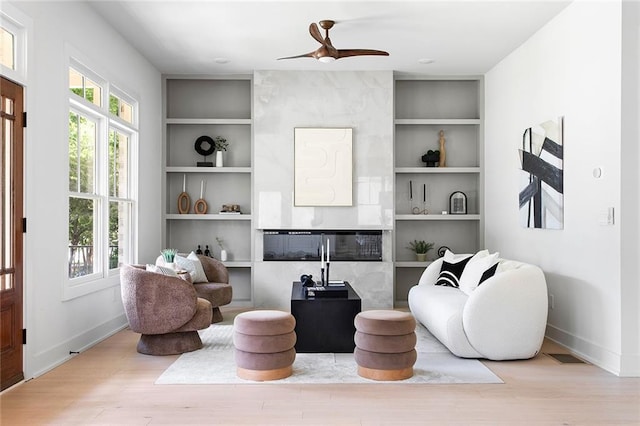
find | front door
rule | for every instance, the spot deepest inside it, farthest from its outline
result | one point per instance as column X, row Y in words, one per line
column 11, row 191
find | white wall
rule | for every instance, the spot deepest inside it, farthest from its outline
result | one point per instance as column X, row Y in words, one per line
column 570, row 68
column 362, row 101
column 54, row 326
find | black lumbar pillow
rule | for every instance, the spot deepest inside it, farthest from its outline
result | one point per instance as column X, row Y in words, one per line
column 488, row 273
column 450, row 273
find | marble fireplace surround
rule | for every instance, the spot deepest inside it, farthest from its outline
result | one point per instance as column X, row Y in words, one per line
column 360, row 100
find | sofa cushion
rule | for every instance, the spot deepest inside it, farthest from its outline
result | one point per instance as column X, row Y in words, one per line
column 477, row 270
column 450, row 273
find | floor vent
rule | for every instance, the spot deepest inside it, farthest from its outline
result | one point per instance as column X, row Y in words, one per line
column 566, row 358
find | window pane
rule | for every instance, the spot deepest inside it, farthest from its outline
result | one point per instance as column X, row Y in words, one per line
column 92, row 92
column 86, row 153
column 118, row 164
column 119, row 233
column 114, row 104
column 120, row 108
column 82, row 146
column 126, row 111
column 76, row 81
column 7, row 49
column 7, row 106
column 81, row 236
column 73, row 152
column 6, row 211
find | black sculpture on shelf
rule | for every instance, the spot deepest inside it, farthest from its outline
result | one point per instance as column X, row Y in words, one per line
column 431, row 158
column 205, row 146
column 207, row 252
column 198, row 250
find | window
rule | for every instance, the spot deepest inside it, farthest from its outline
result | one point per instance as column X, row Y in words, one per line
column 120, row 108
column 7, row 49
column 14, row 28
column 101, row 192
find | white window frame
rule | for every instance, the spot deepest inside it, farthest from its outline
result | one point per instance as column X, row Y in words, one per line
column 9, row 21
column 103, row 277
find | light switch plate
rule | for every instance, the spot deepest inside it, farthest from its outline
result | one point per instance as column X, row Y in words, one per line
column 606, row 216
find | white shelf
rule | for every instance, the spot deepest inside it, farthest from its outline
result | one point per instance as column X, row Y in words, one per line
column 421, row 217
column 195, row 105
column 437, row 121
column 208, row 121
column 191, row 216
column 437, row 169
column 188, row 169
column 238, row 264
column 414, row 264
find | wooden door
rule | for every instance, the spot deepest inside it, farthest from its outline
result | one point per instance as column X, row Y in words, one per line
column 11, row 230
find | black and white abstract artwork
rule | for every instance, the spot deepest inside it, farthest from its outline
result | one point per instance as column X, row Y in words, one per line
column 542, row 188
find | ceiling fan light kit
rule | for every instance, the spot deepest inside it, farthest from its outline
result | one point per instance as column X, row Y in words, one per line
column 327, row 53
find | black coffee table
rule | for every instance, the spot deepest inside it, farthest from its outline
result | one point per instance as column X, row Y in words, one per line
column 324, row 324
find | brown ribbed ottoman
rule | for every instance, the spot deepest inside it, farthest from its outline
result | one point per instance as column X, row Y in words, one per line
column 264, row 344
column 385, row 344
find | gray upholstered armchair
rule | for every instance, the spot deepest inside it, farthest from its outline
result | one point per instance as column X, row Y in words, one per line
column 218, row 291
column 165, row 310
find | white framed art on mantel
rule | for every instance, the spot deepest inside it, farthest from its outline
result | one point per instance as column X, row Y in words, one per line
column 323, row 167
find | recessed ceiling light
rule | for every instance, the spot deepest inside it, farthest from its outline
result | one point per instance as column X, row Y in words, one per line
column 221, row 60
column 426, row 61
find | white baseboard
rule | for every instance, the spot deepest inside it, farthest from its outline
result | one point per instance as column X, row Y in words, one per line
column 46, row 360
column 629, row 366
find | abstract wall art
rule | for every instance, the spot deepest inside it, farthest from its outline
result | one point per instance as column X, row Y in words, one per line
column 541, row 196
column 323, row 167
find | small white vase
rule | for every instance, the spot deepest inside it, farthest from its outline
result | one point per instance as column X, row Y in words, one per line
column 223, row 255
column 219, row 159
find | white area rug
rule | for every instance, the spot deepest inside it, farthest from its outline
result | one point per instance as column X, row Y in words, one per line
column 214, row 364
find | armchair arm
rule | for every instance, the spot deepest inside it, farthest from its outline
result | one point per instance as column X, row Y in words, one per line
column 215, row 270
column 505, row 317
column 155, row 303
column 431, row 273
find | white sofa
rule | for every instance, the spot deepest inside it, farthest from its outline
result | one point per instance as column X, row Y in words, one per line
column 502, row 318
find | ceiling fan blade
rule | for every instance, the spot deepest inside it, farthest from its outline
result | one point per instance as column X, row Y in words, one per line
column 306, row 55
column 344, row 53
column 315, row 33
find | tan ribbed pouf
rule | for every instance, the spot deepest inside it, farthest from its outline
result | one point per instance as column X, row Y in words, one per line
column 264, row 344
column 385, row 344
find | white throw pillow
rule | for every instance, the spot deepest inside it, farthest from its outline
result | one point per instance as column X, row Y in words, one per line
column 479, row 268
column 161, row 270
column 200, row 277
column 451, row 257
column 192, row 265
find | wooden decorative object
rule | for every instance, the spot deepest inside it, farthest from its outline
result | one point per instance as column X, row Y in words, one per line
column 200, row 207
column 184, row 203
column 443, row 152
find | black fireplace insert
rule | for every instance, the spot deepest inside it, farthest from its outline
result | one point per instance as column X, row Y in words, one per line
column 306, row 245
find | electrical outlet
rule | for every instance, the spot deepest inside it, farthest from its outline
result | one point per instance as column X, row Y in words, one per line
column 551, row 301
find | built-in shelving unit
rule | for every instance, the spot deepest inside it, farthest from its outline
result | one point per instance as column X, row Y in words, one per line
column 423, row 107
column 196, row 106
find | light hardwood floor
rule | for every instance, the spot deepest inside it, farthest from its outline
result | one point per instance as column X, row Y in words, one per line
column 112, row 384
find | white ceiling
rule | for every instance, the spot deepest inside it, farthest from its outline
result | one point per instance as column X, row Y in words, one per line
column 462, row 37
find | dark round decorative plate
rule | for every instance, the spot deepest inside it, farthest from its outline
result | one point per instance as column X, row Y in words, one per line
column 205, row 146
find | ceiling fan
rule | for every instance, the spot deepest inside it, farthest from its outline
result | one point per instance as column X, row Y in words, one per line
column 328, row 53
